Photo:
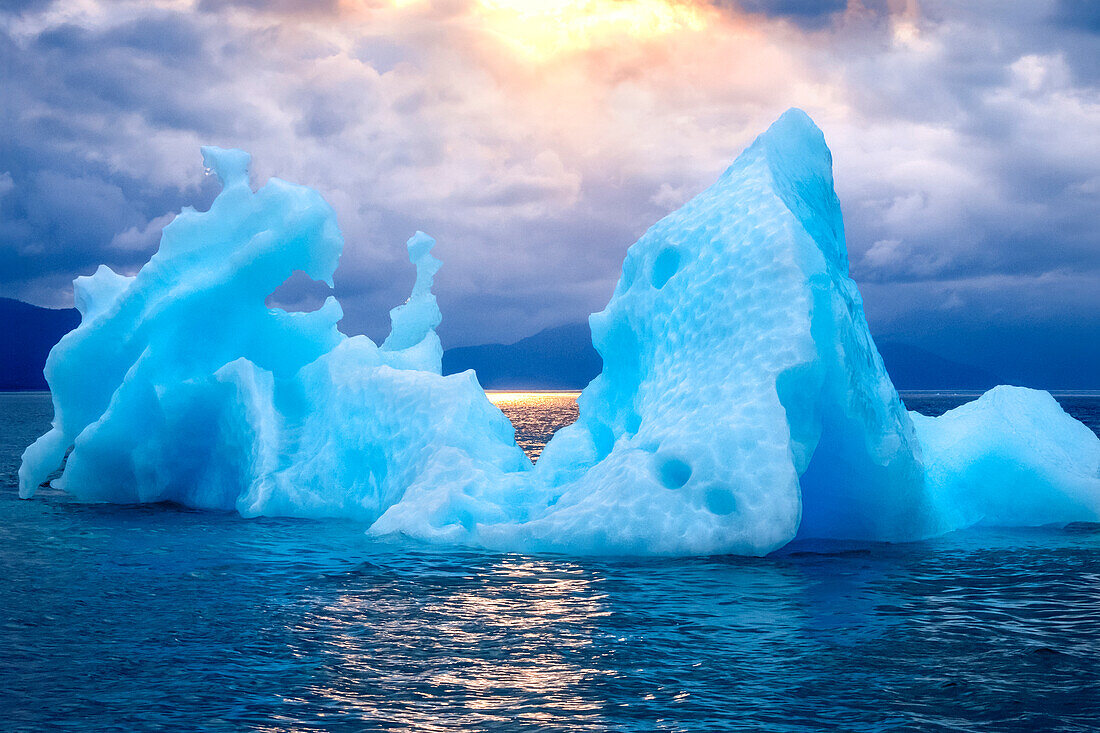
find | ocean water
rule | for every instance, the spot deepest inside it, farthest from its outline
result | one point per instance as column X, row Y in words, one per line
column 135, row 618
column 536, row 416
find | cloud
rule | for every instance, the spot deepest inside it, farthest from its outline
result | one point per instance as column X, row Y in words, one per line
column 965, row 141
column 142, row 238
column 18, row 7
column 810, row 14
column 1078, row 15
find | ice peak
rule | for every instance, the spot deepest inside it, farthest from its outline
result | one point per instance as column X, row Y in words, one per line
column 228, row 164
column 413, row 323
column 94, row 294
column 419, row 245
column 795, row 122
column 802, row 172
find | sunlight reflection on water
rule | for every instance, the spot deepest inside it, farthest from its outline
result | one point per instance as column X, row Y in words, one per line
column 536, row 415
column 159, row 618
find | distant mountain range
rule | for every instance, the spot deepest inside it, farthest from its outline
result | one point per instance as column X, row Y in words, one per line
column 27, row 333
column 911, row 367
column 556, row 358
column 563, row 358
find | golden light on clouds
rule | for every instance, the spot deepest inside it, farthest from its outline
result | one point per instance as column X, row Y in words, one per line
column 543, row 28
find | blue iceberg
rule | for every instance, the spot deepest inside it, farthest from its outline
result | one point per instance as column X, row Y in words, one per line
column 742, row 402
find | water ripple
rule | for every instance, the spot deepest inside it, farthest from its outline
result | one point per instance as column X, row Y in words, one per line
column 158, row 618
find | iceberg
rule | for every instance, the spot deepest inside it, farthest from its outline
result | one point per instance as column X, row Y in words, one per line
column 180, row 385
column 742, row 402
column 1010, row 458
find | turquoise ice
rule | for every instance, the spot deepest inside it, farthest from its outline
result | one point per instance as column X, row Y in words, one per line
column 742, row 403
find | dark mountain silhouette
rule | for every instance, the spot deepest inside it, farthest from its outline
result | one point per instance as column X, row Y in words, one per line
column 556, row 358
column 911, row 367
column 27, row 333
column 563, row 358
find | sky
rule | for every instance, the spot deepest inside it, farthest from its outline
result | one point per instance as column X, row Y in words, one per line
column 536, row 140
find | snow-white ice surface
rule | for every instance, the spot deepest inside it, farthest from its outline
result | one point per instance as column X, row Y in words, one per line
column 742, row 401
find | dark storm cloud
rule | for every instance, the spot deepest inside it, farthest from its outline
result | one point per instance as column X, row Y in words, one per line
column 18, row 7
column 305, row 7
column 72, row 92
column 1006, row 130
column 168, row 36
column 157, row 66
column 806, row 13
column 1080, row 14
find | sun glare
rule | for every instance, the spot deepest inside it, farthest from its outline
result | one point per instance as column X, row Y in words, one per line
column 543, row 28
column 498, row 397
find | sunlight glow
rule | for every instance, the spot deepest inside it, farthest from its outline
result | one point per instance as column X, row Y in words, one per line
column 543, row 28
column 506, row 396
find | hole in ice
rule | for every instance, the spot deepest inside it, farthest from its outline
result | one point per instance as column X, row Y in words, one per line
column 536, row 416
column 719, row 501
column 665, row 266
column 299, row 293
column 673, row 472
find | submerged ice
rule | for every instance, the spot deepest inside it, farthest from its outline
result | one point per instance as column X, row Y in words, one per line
column 742, row 402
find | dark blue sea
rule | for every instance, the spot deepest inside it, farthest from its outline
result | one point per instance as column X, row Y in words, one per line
column 139, row 618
